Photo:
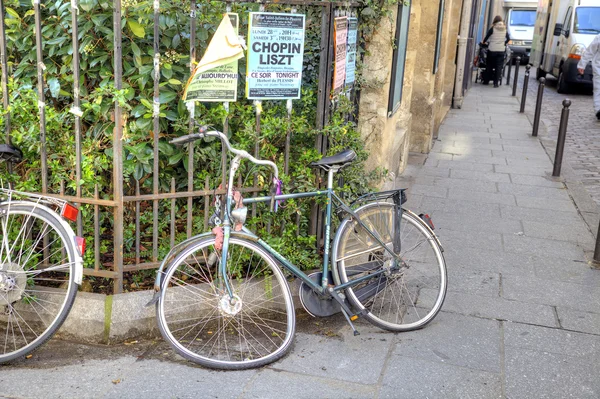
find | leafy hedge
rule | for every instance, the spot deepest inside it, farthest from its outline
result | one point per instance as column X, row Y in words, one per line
column 98, row 96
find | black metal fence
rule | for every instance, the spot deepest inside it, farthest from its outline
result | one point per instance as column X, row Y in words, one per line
column 118, row 203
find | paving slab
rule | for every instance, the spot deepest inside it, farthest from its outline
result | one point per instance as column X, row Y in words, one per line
column 475, row 282
column 456, row 222
column 492, row 160
column 500, row 309
column 420, row 379
column 490, row 187
column 534, row 191
column 551, row 293
column 481, row 197
column 470, row 240
column 275, row 384
column 457, row 340
column 576, row 232
column 452, row 206
column 480, row 176
column 537, row 374
column 339, row 361
column 586, row 322
column 542, row 247
column 498, row 262
column 470, row 166
column 536, row 215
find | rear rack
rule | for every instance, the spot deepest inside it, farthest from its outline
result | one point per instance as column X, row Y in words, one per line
column 397, row 196
column 55, row 203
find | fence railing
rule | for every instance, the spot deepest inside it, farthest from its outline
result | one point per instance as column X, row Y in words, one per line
column 114, row 263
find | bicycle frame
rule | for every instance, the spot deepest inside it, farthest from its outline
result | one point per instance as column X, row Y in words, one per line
column 329, row 193
column 331, row 196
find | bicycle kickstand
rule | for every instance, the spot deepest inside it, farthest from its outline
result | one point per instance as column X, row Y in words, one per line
column 356, row 333
column 345, row 310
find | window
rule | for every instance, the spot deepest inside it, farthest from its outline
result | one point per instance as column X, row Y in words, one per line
column 567, row 21
column 587, row 20
column 438, row 39
column 522, row 17
column 399, row 58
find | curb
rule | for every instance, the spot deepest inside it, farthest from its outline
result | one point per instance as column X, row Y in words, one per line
column 115, row 319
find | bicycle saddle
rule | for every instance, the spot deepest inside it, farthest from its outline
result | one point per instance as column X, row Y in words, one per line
column 10, row 153
column 341, row 158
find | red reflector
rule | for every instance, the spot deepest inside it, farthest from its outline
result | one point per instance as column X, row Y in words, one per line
column 427, row 219
column 80, row 241
column 574, row 56
column 69, row 212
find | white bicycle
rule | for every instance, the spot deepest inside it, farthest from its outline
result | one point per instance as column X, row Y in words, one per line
column 41, row 266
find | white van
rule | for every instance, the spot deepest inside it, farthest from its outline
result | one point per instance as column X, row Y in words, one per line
column 520, row 21
column 563, row 30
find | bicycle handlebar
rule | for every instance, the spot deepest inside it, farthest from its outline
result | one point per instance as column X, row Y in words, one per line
column 241, row 153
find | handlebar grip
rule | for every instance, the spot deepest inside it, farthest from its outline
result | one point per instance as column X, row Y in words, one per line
column 186, row 139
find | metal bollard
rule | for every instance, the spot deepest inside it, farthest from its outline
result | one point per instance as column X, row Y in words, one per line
column 525, row 88
column 538, row 107
column 562, row 136
column 509, row 70
column 516, row 78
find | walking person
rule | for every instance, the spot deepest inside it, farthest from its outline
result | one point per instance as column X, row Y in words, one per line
column 592, row 54
column 496, row 38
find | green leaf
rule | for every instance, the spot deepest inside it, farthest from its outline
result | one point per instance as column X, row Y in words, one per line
column 54, row 86
column 136, row 28
column 87, row 5
column 165, row 148
column 143, row 124
column 146, row 103
column 136, row 50
column 173, row 159
column 138, row 111
column 167, row 73
column 167, row 96
column 139, row 171
column 12, row 12
column 174, row 82
column 202, row 34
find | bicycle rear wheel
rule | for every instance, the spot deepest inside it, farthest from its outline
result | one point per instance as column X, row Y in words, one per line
column 37, row 270
column 404, row 297
column 203, row 324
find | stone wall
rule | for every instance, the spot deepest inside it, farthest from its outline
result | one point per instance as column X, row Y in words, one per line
column 386, row 136
column 426, row 97
column 432, row 94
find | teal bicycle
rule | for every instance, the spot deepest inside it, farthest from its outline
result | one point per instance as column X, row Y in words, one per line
column 223, row 301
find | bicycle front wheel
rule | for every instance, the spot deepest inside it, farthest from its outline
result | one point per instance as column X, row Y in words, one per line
column 37, row 269
column 399, row 297
column 204, row 324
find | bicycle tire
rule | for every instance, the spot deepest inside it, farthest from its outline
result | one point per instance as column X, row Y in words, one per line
column 404, row 299
column 197, row 318
column 34, row 301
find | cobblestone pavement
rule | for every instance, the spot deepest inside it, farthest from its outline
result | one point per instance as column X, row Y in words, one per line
column 582, row 148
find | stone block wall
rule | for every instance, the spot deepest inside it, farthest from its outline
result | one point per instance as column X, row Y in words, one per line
column 426, row 97
column 386, row 136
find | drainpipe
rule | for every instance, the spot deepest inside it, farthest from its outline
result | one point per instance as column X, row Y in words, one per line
column 463, row 36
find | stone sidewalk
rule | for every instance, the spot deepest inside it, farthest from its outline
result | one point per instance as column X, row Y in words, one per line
column 521, row 318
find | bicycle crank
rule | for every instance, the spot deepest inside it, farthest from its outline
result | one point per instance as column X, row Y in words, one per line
column 12, row 283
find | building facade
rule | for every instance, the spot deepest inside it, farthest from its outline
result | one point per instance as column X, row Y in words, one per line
column 410, row 73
